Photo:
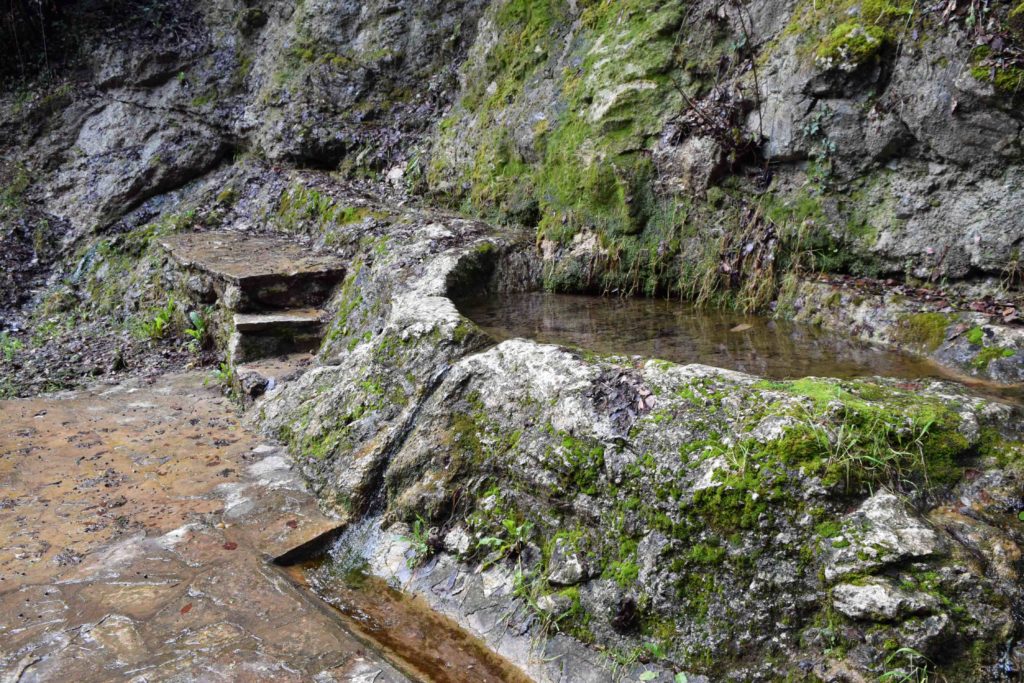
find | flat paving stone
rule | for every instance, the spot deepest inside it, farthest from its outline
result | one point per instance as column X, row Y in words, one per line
column 249, row 273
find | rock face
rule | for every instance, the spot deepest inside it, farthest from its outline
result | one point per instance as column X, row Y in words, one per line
column 879, row 600
column 716, row 153
column 853, row 165
column 881, row 532
column 647, row 502
column 925, row 188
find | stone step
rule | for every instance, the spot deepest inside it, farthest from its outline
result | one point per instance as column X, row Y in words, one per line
column 294, row 319
column 263, row 335
column 250, row 273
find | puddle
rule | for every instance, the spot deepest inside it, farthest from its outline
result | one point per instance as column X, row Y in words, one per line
column 402, row 628
column 670, row 330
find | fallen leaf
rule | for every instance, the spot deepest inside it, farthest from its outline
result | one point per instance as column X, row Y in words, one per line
column 743, row 327
column 230, row 545
column 186, row 609
column 292, row 524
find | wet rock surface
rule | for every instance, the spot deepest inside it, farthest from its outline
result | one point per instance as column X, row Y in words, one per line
column 973, row 344
column 139, row 519
column 625, row 498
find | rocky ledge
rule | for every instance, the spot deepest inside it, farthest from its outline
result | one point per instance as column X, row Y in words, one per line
column 707, row 521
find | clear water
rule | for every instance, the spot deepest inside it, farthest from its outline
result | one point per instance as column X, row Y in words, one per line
column 670, row 330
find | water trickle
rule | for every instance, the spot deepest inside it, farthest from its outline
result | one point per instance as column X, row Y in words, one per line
column 401, row 627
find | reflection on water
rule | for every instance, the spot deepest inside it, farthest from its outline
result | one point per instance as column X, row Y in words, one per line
column 656, row 328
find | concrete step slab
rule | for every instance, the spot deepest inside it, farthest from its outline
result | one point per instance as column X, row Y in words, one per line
column 293, row 319
column 252, row 273
column 264, row 335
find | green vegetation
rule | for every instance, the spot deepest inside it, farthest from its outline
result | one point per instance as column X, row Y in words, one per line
column 198, row 332
column 846, row 34
column 852, row 44
column 577, row 462
column 13, row 191
column 124, row 272
column 976, row 337
column 161, row 323
column 419, row 543
column 592, row 174
column 862, row 435
column 906, row 665
column 851, row 436
column 514, row 537
column 346, row 326
column 307, row 209
column 301, row 203
column 224, row 376
column 925, row 331
column 585, row 176
column 999, row 62
column 1015, row 21
column 989, row 354
column 9, row 346
column 1006, row 77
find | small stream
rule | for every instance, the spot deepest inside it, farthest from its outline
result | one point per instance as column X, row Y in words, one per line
column 677, row 332
column 400, row 627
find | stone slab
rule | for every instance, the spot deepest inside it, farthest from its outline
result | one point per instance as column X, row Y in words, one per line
column 305, row 318
column 238, row 257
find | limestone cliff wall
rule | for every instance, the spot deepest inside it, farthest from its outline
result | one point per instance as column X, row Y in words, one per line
column 655, row 146
column 867, row 137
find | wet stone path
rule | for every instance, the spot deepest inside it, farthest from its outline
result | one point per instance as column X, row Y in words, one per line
column 140, row 521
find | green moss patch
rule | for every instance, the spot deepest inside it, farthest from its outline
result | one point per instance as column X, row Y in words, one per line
column 1006, row 76
column 989, row 354
column 926, row 331
column 852, row 44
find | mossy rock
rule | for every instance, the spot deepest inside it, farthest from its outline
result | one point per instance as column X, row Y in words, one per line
column 851, row 45
column 926, row 331
column 1007, row 80
column 1015, row 21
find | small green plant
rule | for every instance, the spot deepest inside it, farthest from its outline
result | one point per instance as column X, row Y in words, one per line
column 656, row 650
column 224, row 375
column 512, row 542
column 197, row 332
column 419, row 543
column 883, row 448
column 160, row 324
column 906, row 665
column 623, row 660
column 530, row 587
column 9, row 346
